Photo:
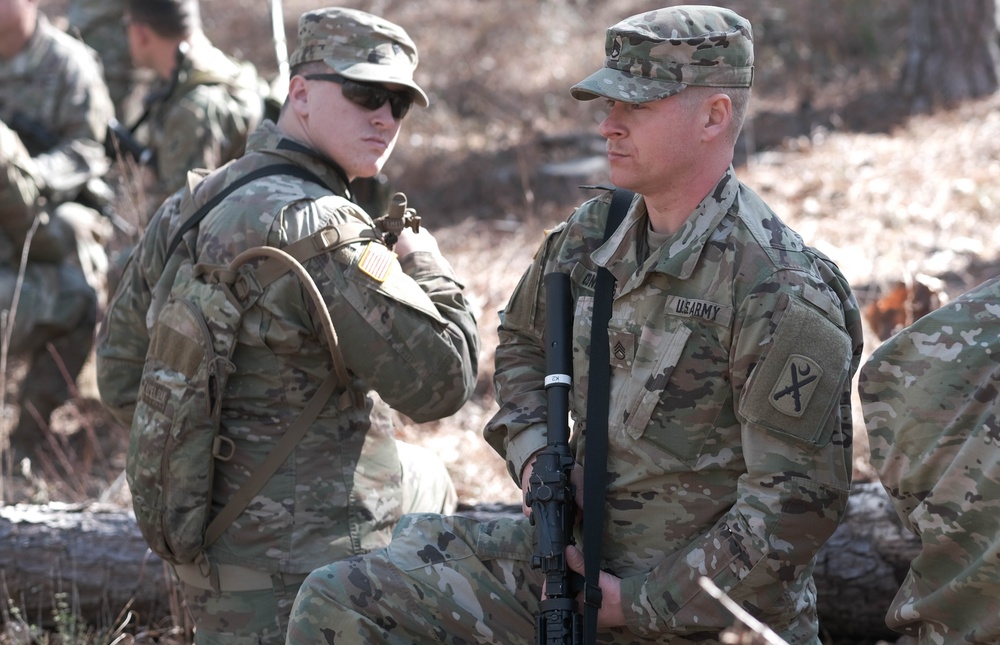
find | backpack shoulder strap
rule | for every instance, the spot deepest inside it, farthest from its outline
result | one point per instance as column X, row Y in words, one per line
column 323, row 241
column 266, row 171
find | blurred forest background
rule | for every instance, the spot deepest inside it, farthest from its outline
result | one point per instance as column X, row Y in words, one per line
column 893, row 177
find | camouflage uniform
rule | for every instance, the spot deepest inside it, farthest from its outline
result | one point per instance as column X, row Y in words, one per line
column 99, row 23
column 406, row 334
column 54, row 107
column 725, row 459
column 930, row 403
column 201, row 117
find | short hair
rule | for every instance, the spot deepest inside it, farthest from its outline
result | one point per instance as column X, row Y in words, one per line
column 168, row 18
column 738, row 96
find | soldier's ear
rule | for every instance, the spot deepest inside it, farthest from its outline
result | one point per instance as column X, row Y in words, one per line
column 298, row 95
column 718, row 115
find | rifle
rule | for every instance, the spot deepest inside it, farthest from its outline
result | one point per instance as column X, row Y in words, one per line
column 550, row 492
column 122, row 138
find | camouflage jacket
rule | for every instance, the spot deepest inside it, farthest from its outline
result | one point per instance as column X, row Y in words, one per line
column 409, row 338
column 202, row 117
column 930, row 403
column 732, row 349
column 53, row 95
column 99, row 23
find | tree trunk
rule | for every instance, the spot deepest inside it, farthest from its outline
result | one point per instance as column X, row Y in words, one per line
column 98, row 559
column 953, row 54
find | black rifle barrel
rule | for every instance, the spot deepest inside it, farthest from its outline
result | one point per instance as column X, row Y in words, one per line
column 558, row 354
column 550, row 493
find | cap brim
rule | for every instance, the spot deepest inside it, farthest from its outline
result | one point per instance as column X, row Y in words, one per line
column 622, row 86
column 372, row 73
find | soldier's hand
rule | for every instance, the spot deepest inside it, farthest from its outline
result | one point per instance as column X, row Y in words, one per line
column 575, row 478
column 610, row 613
column 410, row 242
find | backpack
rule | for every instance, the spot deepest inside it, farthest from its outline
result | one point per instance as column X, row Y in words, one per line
column 174, row 441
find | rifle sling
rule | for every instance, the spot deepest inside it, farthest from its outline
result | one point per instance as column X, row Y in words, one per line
column 598, row 409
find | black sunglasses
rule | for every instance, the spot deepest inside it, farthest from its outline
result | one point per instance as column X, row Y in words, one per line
column 369, row 95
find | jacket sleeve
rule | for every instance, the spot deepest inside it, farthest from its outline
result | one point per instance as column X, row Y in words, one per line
column 408, row 333
column 518, row 429
column 78, row 155
column 18, row 186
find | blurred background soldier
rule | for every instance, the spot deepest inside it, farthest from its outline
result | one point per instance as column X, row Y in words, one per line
column 99, row 24
column 51, row 160
column 203, row 104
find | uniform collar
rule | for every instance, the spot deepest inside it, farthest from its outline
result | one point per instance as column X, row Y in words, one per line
column 268, row 139
column 678, row 257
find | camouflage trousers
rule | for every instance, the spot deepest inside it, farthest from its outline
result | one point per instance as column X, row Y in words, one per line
column 441, row 580
column 253, row 607
column 448, row 580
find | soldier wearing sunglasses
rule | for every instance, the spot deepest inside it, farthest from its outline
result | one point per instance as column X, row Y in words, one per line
column 407, row 336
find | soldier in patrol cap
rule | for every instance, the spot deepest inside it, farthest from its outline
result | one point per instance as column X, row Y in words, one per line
column 54, row 106
column 732, row 346
column 929, row 396
column 407, row 336
column 204, row 103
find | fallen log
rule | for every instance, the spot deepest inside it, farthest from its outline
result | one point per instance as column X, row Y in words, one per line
column 860, row 568
column 93, row 561
column 86, row 560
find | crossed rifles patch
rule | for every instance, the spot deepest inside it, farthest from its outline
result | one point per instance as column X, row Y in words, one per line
column 795, row 386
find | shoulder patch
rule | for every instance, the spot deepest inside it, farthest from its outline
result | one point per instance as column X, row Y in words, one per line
column 800, row 378
column 376, row 261
column 795, row 385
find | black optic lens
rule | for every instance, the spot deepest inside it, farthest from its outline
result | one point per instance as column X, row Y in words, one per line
column 369, row 95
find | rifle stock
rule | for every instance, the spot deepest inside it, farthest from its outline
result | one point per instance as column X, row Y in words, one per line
column 550, row 493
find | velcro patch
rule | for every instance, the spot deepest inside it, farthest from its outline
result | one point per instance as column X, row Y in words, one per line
column 376, row 261
column 622, row 349
column 801, row 377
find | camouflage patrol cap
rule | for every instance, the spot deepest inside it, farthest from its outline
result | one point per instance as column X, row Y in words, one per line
column 358, row 46
column 657, row 54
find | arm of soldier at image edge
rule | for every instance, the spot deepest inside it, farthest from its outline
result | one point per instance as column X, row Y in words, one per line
column 788, row 503
column 18, row 186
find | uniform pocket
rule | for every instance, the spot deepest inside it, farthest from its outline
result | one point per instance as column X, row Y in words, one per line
column 655, row 360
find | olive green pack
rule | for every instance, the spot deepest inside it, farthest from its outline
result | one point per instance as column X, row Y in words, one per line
column 174, row 442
